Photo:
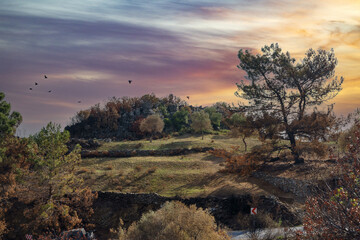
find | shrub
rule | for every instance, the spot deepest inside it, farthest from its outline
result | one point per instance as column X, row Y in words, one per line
column 345, row 137
column 259, row 221
column 335, row 214
column 152, row 124
column 313, row 148
column 176, row 221
column 243, row 164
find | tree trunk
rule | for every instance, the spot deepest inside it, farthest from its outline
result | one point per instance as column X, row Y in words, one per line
column 245, row 145
column 295, row 154
column 202, row 135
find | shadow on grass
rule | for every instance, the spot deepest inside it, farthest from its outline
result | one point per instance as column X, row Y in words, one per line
column 183, row 136
column 213, row 159
column 127, row 146
column 96, row 161
column 220, row 137
column 176, row 145
column 216, row 185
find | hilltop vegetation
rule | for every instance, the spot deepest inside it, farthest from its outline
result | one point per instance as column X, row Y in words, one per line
column 121, row 118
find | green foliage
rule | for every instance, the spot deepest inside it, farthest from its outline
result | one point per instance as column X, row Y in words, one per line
column 180, row 119
column 215, row 117
column 61, row 200
column 200, row 122
column 8, row 121
column 287, row 90
column 237, row 120
column 162, row 109
column 117, row 119
column 177, row 222
column 167, row 122
column 51, row 144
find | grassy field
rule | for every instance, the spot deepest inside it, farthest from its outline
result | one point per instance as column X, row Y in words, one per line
column 186, row 176
column 184, row 141
column 189, row 175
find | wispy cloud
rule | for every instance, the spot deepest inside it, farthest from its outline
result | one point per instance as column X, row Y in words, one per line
column 90, row 48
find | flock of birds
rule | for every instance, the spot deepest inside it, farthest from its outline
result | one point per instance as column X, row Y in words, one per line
column 49, row 91
column 38, row 84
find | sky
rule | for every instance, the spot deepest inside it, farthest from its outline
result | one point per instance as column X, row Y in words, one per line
column 89, row 49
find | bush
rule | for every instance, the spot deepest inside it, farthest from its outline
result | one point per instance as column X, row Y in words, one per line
column 175, row 221
column 261, row 220
column 152, row 124
column 243, row 164
column 335, row 214
column 345, row 137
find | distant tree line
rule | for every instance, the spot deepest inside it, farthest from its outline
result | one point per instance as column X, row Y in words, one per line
column 121, row 118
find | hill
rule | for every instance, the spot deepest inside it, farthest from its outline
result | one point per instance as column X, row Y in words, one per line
column 120, row 118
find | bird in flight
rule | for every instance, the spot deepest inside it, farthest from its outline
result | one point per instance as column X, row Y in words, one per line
column 30, row 88
column 187, row 97
column 49, row 91
column 130, row 81
column 36, row 84
column 79, row 101
column 45, row 76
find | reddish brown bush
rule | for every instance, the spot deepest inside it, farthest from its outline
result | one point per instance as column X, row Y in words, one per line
column 244, row 164
column 335, row 214
column 135, row 127
column 13, row 166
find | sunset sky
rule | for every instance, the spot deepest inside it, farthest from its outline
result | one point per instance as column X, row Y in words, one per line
column 89, row 49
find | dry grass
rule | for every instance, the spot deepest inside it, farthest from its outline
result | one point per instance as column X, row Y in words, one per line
column 185, row 141
column 185, row 176
column 311, row 170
